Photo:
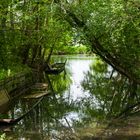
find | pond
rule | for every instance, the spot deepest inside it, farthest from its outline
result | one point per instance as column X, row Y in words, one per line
column 81, row 107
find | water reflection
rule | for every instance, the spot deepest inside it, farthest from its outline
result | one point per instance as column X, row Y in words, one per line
column 81, row 102
column 115, row 94
column 77, row 69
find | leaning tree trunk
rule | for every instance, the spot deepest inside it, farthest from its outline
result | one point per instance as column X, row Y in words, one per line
column 97, row 48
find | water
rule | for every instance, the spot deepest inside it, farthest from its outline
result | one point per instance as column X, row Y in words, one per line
column 80, row 109
column 77, row 68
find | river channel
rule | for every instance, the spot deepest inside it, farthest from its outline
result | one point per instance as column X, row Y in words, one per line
column 77, row 109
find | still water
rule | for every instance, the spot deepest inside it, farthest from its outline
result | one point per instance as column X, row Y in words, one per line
column 81, row 107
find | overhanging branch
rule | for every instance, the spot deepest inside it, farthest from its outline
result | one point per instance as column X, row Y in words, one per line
column 100, row 50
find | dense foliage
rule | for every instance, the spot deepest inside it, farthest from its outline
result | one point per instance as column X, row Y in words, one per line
column 31, row 29
column 112, row 30
column 35, row 29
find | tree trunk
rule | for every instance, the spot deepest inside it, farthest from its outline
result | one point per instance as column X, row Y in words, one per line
column 98, row 49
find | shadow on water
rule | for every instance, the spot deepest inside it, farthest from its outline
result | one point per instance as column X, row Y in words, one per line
column 90, row 102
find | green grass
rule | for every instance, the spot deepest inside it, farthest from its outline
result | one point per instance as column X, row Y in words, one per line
column 5, row 73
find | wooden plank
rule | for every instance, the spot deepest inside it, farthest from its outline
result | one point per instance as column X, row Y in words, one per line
column 40, row 86
column 36, row 95
column 4, row 97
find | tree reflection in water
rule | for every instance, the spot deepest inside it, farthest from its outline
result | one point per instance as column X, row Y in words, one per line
column 51, row 118
column 112, row 94
column 104, row 95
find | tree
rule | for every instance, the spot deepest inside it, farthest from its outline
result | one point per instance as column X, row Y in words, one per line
column 29, row 30
column 107, row 26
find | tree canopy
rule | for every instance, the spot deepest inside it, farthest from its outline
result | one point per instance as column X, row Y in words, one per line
column 111, row 29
